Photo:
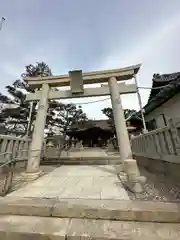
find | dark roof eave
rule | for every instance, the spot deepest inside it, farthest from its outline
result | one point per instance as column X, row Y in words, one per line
column 161, row 81
column 136, row 70
column 161, row 98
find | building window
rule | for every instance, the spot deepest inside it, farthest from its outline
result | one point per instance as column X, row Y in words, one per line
column 164, row 119
column 152, row 125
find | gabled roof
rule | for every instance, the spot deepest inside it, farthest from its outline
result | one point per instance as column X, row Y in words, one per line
column 103, row 124
column 168, row 85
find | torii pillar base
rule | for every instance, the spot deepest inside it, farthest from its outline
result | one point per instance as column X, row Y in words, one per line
column 132, row 177
column 25, row 176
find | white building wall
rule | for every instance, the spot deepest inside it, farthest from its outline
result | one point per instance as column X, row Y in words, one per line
column 170, row 109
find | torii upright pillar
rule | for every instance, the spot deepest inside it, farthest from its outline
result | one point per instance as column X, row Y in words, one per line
column 129, row 164
column 38, row 134
column 119, row 120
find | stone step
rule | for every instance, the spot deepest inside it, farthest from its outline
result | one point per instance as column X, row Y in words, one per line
column 92, row 209
column 42, row 228
column 109, row 160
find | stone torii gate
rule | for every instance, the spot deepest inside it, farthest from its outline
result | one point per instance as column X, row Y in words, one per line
column 76, row 81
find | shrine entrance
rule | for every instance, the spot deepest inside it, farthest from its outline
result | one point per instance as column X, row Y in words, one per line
column 92, row 133
column 76, row 80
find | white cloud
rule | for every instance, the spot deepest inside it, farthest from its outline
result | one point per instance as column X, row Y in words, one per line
column 154, row 51
column 105, row 36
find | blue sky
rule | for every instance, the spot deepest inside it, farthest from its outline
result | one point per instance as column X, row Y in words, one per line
column 91, row 35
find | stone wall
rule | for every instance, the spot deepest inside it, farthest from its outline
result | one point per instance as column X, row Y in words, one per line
column 158, row 166
column 161, row 144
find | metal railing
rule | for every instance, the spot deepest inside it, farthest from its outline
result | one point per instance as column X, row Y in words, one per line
column 16, row 150
column 9, row 167
column 7, row 170
column 6, row 173
column 12, row 150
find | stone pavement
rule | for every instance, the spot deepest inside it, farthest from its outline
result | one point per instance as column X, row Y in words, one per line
column 84, row 202
column 81, row 182
column 41, row 228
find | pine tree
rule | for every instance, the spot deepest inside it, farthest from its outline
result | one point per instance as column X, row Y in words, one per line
column 60, row 116
column 16, row 119
column 67, row 115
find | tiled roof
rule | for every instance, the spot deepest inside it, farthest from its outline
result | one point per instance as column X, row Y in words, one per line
column 103, row 124
column 168, row 84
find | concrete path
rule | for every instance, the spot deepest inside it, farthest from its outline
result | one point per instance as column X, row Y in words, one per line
column 33, row 227
column 81, row 182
